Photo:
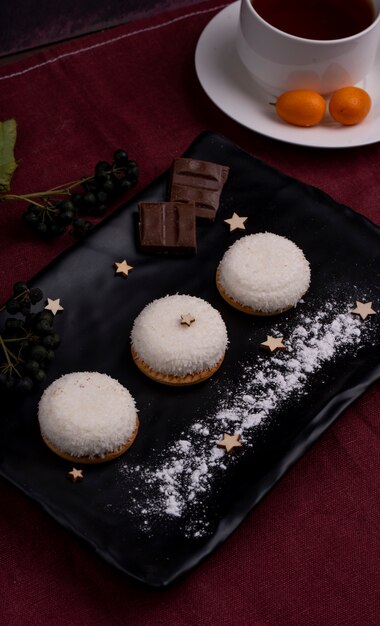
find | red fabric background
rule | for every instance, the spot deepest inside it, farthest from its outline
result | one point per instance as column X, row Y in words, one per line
column 309, row 553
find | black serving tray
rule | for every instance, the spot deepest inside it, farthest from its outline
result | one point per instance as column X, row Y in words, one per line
column 116, row 509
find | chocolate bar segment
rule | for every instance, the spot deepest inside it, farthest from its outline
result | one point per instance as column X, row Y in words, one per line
column 167, row 228
column 200, row 182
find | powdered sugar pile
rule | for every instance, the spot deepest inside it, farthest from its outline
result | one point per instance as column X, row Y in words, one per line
column 177, row 481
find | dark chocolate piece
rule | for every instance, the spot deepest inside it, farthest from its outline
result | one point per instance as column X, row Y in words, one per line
column 200, row 182
column 167, row 227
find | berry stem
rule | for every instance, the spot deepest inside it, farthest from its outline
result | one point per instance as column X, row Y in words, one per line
column 28, row 197
column 11, row 355
column 6, row 352
column 10, row 367
column 20, row 295
column 59, row 190
column 17, row 339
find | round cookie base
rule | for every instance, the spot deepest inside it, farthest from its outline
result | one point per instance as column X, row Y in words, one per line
column 244, row 308
column 99, row 458
column 170, row 379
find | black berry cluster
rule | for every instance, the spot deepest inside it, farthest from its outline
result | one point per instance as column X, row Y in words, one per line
column 50, row 213
column 27, row 341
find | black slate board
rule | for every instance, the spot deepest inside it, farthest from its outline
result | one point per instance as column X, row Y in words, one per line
column 112, row 508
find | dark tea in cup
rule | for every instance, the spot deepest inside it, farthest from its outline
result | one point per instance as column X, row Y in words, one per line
column 317, row 19
column 321, row 45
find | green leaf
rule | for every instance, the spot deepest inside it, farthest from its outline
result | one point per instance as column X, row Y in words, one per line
column 8, row 133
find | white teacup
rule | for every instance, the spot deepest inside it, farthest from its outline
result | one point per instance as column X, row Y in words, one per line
column 279, row 61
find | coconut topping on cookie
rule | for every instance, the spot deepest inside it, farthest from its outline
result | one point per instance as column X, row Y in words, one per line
column 179, row 335
column 87, row 414
column 265, row 272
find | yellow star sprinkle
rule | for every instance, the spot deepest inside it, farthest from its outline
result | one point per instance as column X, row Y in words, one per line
column 273, row 343
column 54, row 306
column 187, row 319
column 123, row 268
column 236, row 222
column 229, row 442
column 76, row 475
column 363, row 309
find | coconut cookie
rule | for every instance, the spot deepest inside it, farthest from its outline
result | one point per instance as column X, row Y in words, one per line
column 263, row 274
column 179, row 340
column 87, row 417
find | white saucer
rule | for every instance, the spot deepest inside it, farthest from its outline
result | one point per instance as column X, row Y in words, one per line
column 230, row 87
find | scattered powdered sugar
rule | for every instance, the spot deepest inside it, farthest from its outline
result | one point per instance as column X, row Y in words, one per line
column 174, row 483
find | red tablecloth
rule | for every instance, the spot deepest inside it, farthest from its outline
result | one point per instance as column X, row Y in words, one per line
column 309, row 553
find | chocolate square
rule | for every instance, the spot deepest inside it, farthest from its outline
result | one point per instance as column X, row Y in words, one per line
column 167, row 228
column 200, row 182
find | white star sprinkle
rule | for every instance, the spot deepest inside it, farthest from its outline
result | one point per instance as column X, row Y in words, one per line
column 187, row 319
column 236, row 222
column 363, row 309
column 273, row 343
column 123, row 268
column 54, row 306
column 229, row 442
